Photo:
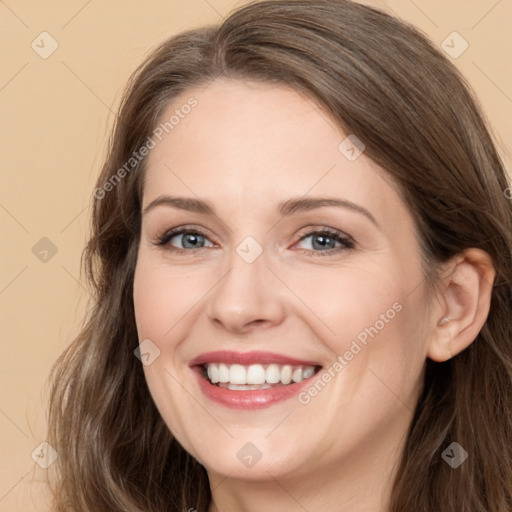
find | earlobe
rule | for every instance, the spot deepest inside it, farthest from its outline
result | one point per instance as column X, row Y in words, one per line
column 465, row 298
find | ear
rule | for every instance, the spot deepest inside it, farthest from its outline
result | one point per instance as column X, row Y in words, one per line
column 464, row 296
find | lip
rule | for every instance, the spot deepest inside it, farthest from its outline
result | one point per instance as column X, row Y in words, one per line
column 248, row 400
column 248, row 358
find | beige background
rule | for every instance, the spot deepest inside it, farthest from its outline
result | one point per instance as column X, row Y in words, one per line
column 55, row 116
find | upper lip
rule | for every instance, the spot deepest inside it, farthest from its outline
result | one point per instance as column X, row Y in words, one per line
column 248, row 358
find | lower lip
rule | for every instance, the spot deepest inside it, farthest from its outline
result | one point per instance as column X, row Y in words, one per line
column 256, row 399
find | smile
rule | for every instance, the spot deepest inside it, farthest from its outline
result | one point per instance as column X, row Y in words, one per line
column 251, row 380
column 255, row 376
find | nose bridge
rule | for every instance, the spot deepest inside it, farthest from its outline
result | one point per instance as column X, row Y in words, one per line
column 248, row 291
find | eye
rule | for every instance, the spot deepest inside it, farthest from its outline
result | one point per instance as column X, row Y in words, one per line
column 323, row 242
column 187, row 238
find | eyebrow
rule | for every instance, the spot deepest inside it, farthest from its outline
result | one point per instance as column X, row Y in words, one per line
column 285, row 208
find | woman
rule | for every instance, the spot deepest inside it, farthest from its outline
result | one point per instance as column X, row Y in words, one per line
column 223, row 365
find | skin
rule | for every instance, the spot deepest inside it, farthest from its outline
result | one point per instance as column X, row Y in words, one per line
column 245, row 148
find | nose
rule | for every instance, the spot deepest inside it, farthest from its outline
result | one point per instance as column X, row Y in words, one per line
column 247, row 296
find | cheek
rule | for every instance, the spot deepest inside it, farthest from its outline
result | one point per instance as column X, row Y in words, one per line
column 349, row 300
column 149, row 307
column 162, row 295
column 375, row 322
column 161, row 298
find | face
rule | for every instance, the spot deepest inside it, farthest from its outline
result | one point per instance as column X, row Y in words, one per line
column 287, row 264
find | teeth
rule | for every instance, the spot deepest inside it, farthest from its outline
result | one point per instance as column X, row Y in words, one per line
column 256, row 376
column 213, row 373
column 297, row 375
column 250, row 387
column 223, row 373
column 286, row 374
column 308, row 372
column 237, row 374
column 273, row 374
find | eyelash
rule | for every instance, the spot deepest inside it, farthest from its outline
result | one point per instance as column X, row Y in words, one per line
column 337, row 236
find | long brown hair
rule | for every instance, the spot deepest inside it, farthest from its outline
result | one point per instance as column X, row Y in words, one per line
column 383, row 81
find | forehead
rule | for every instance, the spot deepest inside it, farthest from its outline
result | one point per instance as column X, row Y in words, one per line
column 255, row 144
